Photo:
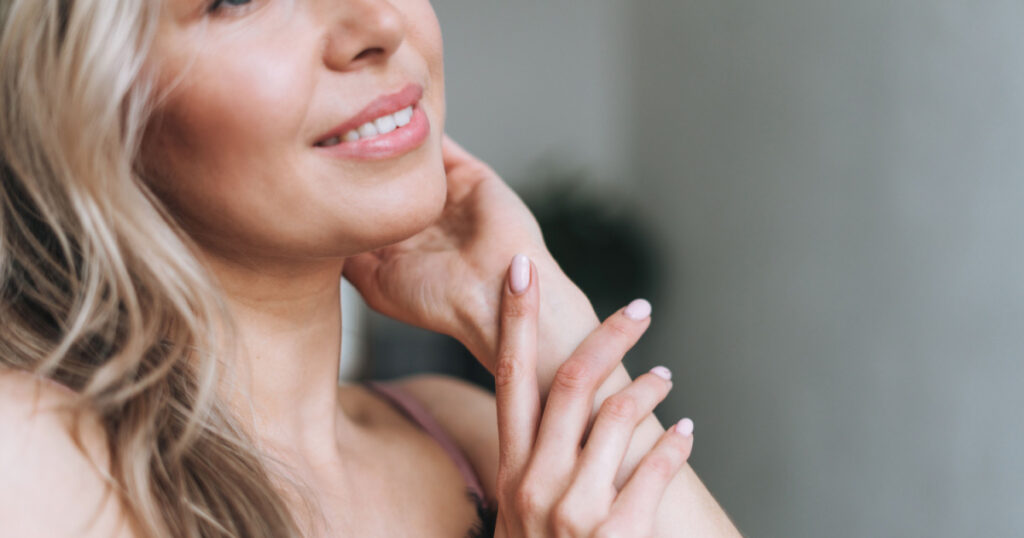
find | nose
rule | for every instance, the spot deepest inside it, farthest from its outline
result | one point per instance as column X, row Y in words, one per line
column 361, row 32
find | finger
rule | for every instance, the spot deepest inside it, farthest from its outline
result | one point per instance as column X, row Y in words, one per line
column 515, row 375
column 361, row 271
column 634, row 509
column 591, row 490
column 452, row 153
column 463, row 171
column 613, row 428
column 570, row 401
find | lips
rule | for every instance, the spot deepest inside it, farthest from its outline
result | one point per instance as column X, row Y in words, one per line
column 381, row 106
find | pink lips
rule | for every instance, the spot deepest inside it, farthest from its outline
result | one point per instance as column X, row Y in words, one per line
column 397, row 142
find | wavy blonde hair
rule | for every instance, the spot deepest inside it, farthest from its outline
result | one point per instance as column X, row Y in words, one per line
column 99, row 289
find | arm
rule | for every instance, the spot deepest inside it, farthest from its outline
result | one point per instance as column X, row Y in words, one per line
column 448, row 279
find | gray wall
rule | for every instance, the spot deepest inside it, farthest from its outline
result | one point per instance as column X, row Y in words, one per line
column 842, row 185
column 529, row 79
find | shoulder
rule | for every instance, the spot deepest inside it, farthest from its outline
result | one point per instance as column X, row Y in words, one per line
column 48, row 486
column 468, row 413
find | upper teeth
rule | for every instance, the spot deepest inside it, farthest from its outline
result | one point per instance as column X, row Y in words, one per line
column 379, row 126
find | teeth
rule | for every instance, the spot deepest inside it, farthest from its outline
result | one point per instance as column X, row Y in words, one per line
column 404, row 116
column 386, row 124
column 367, row 130
column 379, row 126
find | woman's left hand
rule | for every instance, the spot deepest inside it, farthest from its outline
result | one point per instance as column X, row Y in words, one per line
column 448, row 277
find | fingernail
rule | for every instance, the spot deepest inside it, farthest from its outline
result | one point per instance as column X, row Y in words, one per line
column 638, row 310
column 684, row 427
column 519, row 274
column 662, row 372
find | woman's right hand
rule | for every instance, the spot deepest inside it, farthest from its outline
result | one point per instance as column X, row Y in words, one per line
column 555, row 478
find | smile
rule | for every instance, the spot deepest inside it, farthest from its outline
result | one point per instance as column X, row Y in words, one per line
column 380, row 126
column 389, row 126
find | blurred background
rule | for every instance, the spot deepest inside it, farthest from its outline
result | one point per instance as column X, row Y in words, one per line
column 823, row 200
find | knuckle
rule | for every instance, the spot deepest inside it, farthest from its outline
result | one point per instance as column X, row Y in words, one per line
column 567, row 520
column 620, row 328
column 516, row 308
column 573, row 377
column 508, row 368
column 620, row 408
column 527, row 501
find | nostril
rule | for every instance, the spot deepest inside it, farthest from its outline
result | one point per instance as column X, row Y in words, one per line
column 368, row 52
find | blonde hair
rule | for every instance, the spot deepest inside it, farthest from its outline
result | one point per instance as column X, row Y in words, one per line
column 99, row 289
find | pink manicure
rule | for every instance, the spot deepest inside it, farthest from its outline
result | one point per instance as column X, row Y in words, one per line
column 662, row 372
column 684, row 427
column 638, row 310
column 519, row 274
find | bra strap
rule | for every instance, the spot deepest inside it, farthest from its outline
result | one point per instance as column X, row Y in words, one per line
column 415, row 411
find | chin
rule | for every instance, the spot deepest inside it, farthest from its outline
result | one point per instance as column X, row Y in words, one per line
column 416, row 212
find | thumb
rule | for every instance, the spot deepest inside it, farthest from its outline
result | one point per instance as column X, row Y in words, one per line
column 453, row 154
column 362, row 272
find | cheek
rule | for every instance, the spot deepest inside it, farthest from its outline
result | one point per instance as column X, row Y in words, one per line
column 227, row 129
column 425, row 32
column 233, row 162
column 235, row 110
column 361, row 220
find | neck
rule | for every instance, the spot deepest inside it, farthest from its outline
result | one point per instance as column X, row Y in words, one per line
column 287, row 353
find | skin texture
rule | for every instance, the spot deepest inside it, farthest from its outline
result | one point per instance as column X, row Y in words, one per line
column 256, row 86
column 48, row 487
column 546, row 483
column 248, row 90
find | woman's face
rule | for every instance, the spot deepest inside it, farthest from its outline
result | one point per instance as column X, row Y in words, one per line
column 243, row 148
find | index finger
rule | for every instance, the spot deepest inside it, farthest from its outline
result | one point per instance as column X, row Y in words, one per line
column 452, row 153
column 462, row 170
column 515, row 372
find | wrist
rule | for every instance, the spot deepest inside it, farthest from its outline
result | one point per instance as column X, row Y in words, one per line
column 566, row 317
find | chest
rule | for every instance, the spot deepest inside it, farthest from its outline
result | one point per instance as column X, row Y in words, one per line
column 401, row 484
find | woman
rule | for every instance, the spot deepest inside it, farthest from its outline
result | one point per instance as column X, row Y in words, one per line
column 184, row 183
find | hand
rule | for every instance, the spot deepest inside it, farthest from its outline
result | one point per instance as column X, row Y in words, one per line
column 447, row 278
column 547, row 485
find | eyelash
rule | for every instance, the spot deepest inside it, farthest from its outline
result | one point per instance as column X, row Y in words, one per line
column 215, row 5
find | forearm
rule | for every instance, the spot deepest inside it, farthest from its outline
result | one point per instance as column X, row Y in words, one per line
column 566, row 318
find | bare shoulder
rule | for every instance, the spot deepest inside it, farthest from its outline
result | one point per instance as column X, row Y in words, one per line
column 468, row 413
column 48, row 487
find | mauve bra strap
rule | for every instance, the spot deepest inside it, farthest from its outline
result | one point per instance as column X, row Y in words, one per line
column 414, row 410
